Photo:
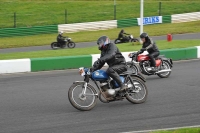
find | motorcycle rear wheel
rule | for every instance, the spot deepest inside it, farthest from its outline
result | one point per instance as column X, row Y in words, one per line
column 133, row 94
column 166, row 74
column 54, row 45
column 79, row 101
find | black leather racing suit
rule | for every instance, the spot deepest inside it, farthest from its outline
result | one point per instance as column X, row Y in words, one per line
column 121, row 36
column 152, row 49
column 60, row 39
column 116, row 61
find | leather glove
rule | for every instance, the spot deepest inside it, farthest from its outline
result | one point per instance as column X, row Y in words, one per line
column 91, row 69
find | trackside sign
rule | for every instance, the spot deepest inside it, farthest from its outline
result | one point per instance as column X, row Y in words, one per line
column 150, row 20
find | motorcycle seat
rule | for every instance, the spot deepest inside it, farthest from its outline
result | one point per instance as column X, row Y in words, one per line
column 129, row 71
column 160, row 56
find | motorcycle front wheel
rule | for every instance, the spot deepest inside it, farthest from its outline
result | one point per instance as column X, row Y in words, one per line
column 71, row 44
column 78, row 100
column 54, row 45
column 138, row 94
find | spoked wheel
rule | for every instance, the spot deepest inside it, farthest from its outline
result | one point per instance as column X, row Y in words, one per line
column 134, row 69
column 135, row 40
column 138, row 94
column 79, row 100
column 117, row 41
column 54, row 45
column 164, row 67
column 71, row 44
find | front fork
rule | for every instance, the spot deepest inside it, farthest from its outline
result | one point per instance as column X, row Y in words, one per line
column 84, row 88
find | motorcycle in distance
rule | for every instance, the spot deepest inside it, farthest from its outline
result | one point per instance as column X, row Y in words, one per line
column 141, row 63
column 129, row 38
column 83, row 96
column 68, row 42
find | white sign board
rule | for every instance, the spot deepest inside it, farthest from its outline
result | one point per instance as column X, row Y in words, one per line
column 150, row 20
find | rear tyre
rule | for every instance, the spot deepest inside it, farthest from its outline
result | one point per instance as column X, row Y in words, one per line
column 71, row 44
column 166, row 65
column 80, row 102
column 139, row 94
column 116, row 41
column 54, row 45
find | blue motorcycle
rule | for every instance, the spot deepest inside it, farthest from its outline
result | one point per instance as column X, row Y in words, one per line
column 83, row 96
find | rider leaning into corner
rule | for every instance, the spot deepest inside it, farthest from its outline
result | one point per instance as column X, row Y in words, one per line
column 60, row 37
column 122, row 35
column 150, row 46
column 111, row 55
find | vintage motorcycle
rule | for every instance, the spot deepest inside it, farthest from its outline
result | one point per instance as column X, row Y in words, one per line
column 68, row 42
column 141, row 63
column 129, row 38
column 83, row 96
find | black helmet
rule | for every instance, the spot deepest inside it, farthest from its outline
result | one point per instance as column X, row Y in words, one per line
column 144, row 35
column 102, row 42
column 122, row 31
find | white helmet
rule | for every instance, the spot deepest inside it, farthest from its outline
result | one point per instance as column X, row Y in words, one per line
column 61, row 32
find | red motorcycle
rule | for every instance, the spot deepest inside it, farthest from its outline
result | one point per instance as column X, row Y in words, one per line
column 141, row 62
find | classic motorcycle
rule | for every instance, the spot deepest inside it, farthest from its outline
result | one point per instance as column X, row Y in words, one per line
column 83, row 96
column 141, row 63
column 68, row 42
column 129, row 38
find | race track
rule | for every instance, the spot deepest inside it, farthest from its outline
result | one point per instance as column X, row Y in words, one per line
column 89, row 44
column 38, row 103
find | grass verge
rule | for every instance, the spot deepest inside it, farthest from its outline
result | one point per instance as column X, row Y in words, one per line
column 94, row 50
column 153, row 30
column 48, row 12
column 185, row 130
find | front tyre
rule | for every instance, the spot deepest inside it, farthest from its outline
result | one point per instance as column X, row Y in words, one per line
column 138, row 94
column 165, row 65
column 78, row 100
column 71, row 44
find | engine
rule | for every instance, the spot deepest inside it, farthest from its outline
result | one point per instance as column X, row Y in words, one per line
column 107, row 90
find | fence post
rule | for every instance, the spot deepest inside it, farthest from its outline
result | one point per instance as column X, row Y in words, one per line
column 114, row 10
column 65, row 16
column 159, row 9
column 14, row 19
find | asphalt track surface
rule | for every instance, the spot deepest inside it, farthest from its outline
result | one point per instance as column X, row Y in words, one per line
column 38, row 103
column 89, row 44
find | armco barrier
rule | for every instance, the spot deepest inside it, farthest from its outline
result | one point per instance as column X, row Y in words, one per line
column 167, row 19
column 56, row 63
column 67, row 62
column 15, row 66
column 24, row 31
column 127, row 22
column 185, row 17
column 89, row 26
column 180, row 54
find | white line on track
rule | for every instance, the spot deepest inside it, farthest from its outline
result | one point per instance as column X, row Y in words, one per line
column 174, row 128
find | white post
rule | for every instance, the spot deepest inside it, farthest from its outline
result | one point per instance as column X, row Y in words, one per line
column 141, row 15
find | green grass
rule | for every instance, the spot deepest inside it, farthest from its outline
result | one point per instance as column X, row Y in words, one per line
column 48, row 12
column 153, row 30
column 185, row 130
column 94, row 50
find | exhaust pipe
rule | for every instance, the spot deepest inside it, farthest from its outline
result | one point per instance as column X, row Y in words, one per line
column 163, row 71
